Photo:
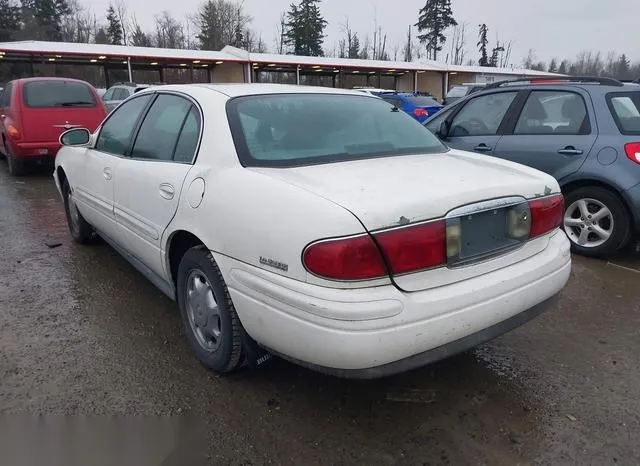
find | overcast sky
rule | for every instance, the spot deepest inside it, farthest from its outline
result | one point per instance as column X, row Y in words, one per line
column 554, row 28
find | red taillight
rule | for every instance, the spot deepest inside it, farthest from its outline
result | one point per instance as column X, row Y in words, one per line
column 633, row 151
column 546, row 214
column 420, row 112
column 356, row 258
column 414, row 248
column 13, row 132
column 407, row 249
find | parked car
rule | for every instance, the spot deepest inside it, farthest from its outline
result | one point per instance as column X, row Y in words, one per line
column 315, row 224
column 461, row 90
column 583, row 131
column 371, row 90
column 119, row 92
column 417, row 105
column 35, row 111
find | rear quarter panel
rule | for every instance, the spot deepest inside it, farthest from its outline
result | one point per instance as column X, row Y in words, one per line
column 246, row 215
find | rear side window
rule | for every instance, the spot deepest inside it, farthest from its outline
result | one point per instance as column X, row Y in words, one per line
column 553, row 112
column 625, row 109
column 48, row 94
column 5, row 97
column 161, row 128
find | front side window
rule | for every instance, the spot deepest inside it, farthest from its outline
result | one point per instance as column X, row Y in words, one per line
column 625, row 109
column 47, row 94
column 303, row 129
column 108, row 95
column 115, row 135
column 553, row 112
column 161, row 127
column 482, row 116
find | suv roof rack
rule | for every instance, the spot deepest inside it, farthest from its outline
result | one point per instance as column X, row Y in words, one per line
column 559, row 79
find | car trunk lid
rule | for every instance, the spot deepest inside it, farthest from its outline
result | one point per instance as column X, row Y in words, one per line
column 389, row 193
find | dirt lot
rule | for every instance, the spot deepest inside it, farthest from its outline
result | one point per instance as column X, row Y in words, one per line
column 82, row 333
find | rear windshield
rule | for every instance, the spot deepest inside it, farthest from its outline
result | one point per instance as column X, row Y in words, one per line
column 303, row 129
column 46, row 94
column 422, row 101
column 625, row 108
column 458, row 91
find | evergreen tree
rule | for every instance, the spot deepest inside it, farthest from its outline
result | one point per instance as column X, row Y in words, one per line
column 623, row 67
column 9, row 20
column 101, row 36
column 434, row 18
column 482, row 44
column 553, row 66
column 114, row 28
column 305, row 28
column 354, row 49
column 140, row 38
column 564, row 67
column 46, row 16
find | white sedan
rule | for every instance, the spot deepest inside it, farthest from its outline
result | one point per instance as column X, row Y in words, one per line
column 320, row 225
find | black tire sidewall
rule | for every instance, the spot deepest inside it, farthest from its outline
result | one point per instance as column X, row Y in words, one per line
column 621, row 227
column 220, row 360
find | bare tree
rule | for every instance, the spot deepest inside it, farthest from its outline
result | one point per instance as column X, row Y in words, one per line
column 281, row 29
column 125, row 23
column 408, row 49
column 169, row 32
column 506, row 55
column 458, row 44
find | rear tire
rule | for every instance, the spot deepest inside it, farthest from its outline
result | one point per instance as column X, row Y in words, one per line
column 211, row 323
column 596, row 221
column 80, row 230
column 16, row 166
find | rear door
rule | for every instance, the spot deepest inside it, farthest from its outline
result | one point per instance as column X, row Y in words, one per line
column 150, row 177
column 554, row 132
column 5, row 113
column 50, row 107
column 479, row 123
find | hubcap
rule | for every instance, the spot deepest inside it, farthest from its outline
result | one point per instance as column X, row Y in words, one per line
column 203, row 311
column 588, row 223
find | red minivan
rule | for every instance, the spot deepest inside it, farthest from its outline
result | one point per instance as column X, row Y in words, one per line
column 35, row 111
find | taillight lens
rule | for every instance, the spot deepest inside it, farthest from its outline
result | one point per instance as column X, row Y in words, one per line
column 356, row 258
column 414, row 248
column 13, row 132
column 407, row 249
column 633, row 151
column 546, row 214
column 420, row 112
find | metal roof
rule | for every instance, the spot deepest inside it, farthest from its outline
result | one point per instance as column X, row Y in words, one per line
column 120, row 51
column 234, row 54
column 331, row 62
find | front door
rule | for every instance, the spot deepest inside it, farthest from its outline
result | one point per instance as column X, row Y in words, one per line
column 97, row 171
column 151, row 177
column 553, row 133
column 476, row 127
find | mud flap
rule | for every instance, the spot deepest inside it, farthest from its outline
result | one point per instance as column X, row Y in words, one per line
column 255, row 356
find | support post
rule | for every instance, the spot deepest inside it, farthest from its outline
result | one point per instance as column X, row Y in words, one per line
column 298, row 75
column 129, row 69
column 415, row 81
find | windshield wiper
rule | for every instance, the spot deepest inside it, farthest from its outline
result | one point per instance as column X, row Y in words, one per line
column 74, row 103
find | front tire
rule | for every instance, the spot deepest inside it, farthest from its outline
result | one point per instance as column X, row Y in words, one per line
column 596, row 221
column 210, row 320
column 80, row 230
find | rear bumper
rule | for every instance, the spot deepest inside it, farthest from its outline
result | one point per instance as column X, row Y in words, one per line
column 35, row 150
column 374, row 332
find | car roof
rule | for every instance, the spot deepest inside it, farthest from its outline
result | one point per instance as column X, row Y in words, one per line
column 243, row 89
column 48, row 78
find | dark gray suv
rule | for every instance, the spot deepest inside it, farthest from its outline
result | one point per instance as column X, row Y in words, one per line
column 583, row 131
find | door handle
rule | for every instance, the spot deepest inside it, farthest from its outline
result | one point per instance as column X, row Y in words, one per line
column 107, row 173
column 482, row 148
column 167, row 191
column 570, row 150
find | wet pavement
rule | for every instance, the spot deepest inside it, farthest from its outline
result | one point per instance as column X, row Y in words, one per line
column 81, row 332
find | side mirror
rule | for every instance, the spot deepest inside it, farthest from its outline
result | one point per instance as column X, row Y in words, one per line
column 75, row 137
column 443, row 130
